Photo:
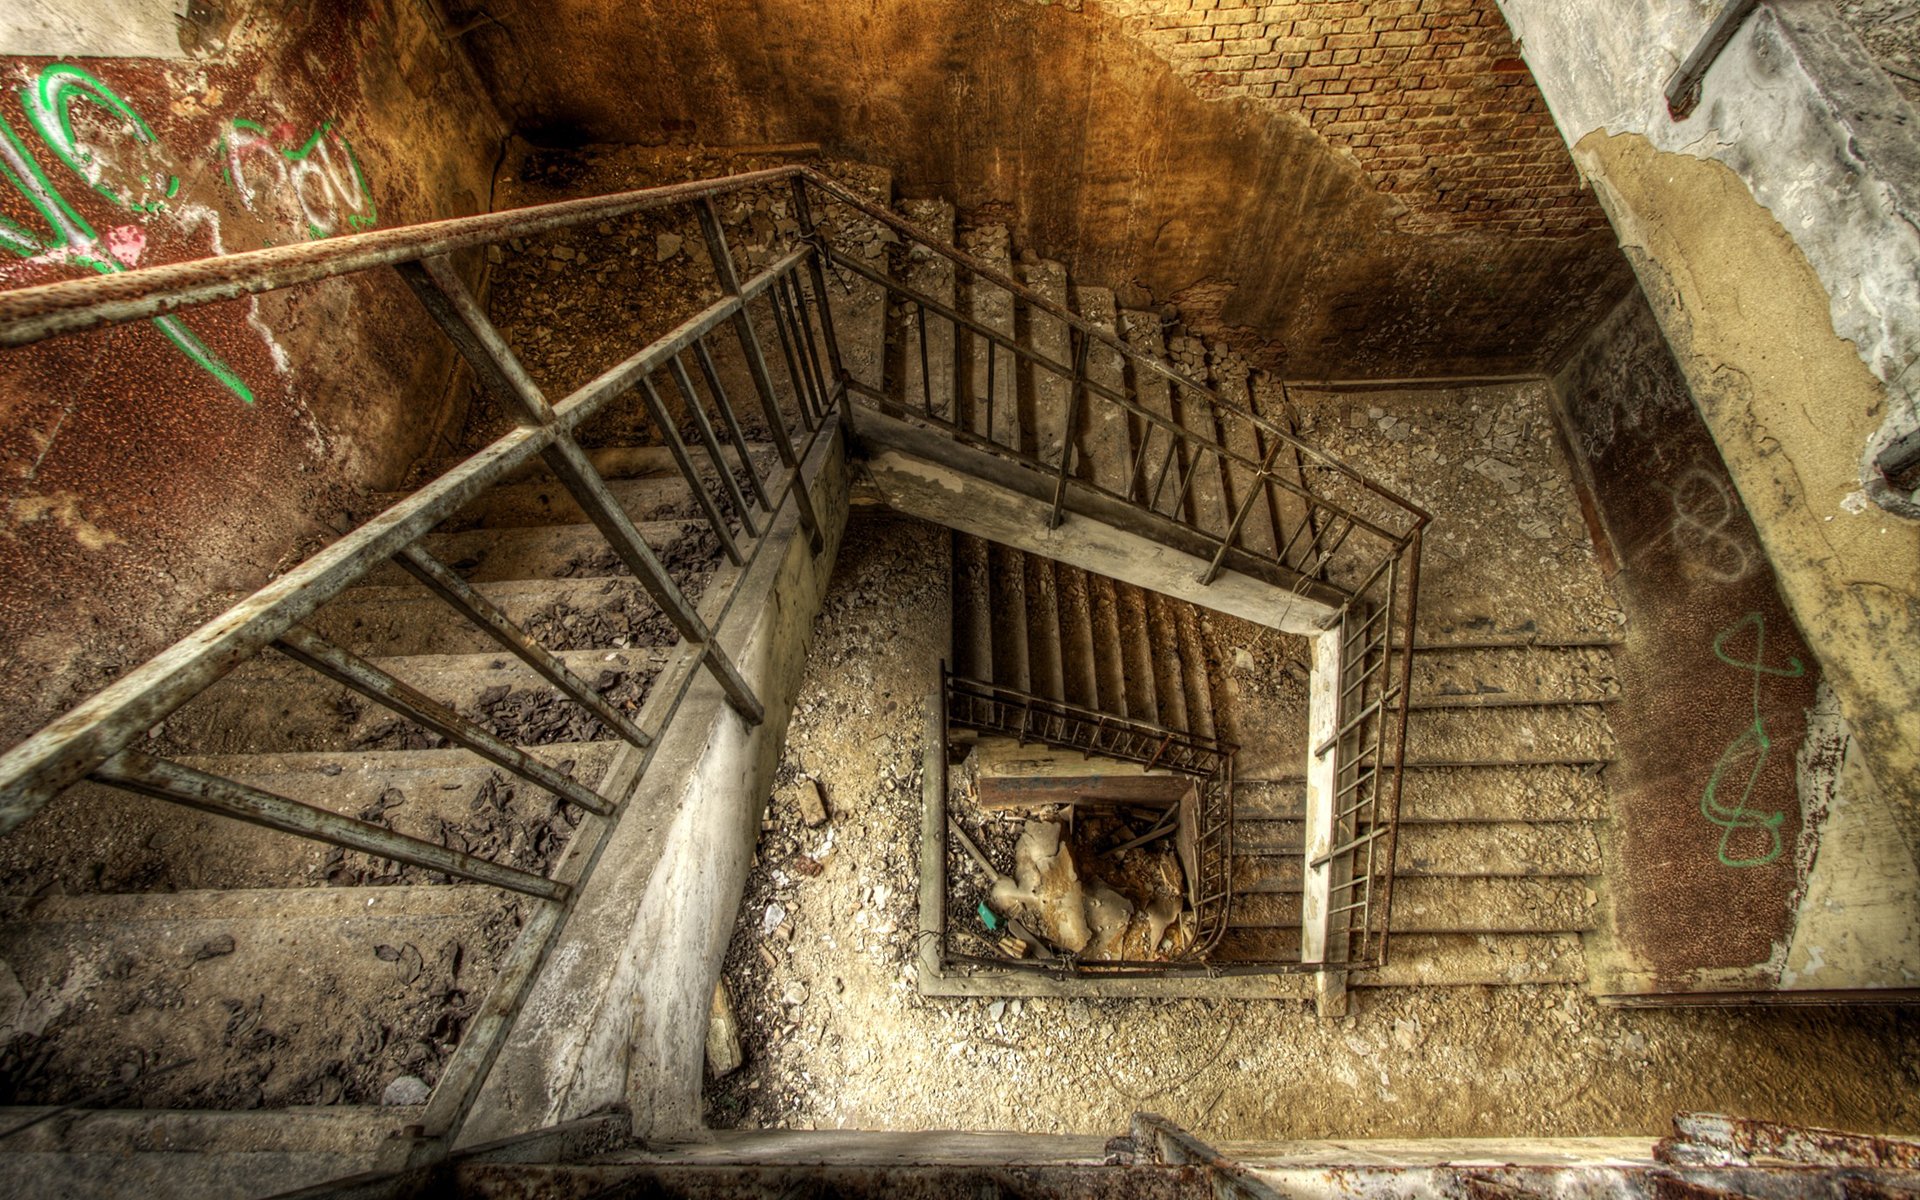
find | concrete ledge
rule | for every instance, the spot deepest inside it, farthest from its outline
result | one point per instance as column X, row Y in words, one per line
column 619, row 1013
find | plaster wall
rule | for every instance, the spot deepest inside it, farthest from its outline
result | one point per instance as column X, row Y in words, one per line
column 153, row 472
column 1771, row 234
column 1739, row 853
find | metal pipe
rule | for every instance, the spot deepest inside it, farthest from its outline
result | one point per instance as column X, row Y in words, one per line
column 29, row 314
column 1684, row 85
column 163, row 780
column 677, row 447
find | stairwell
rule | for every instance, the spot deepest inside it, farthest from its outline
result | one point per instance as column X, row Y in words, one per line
column 615, row 750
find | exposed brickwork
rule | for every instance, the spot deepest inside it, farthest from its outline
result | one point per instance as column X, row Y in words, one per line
column 1429, row 96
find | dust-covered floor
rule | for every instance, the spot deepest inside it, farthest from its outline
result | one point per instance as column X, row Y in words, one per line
column 836, row 1035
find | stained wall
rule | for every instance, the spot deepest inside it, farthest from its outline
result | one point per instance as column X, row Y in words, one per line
column 1346, row 188
column 152, row 473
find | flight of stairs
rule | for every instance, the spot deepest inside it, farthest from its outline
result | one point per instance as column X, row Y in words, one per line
column 1498, row 843
column 145, row 935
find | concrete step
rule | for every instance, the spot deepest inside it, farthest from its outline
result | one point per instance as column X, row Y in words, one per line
column 656, row 496
column 549, row 552
column 1109, row 648
column 272, row 997
column 1565, row 849
column 1046, row 668
column 1451, row 906
column 1514, row 673
column 1007, row 579
column 1498, row 734
column 1106, row 458
column 273, row 704
column 1269, row 837
column 1535, row 794
column 1254, row 873
column 1196, row 670
column 989, row 373
column 1046, row 394
column 972, row 608
column 1483, row 959
column 926, row 369
column 1078, row 653
column 1169, row 672
column 94, row 839
column 611, row 613
column 1136, row 642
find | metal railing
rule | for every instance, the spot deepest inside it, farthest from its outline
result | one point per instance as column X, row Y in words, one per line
column 739, row 493
column 1203, row 466
column 988, row 708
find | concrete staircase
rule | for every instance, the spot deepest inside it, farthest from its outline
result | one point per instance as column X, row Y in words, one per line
column 1497, row 843
column 240, row 948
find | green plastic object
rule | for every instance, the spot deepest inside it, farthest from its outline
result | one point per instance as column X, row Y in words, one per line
column 988, row 918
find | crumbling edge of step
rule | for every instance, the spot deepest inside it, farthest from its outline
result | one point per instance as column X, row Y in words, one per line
column 619, row 1014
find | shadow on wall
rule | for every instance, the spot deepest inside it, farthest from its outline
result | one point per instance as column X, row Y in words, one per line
column 150, row 471
column 1256, row 224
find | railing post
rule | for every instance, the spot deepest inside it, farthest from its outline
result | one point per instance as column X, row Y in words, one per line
column 803, row 213
column 1073, row 415
column 757, row 366
column 1254, row 493
column 443, row 294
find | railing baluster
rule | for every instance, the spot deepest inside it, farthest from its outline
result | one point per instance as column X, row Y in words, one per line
column 678, row 448
column 803, row 213
column 717, row 250
column 803, row 322
column 305, row 646
column 1073, row 422
column 590, row 490
column 926, row 376
column 163, row 780
column 705, row 428
column 467, row 600
column 734, row 431
column 1166, row 464
column 802, row 389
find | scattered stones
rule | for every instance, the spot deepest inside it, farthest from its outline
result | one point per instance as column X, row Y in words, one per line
column 813, row 803
column 666, row 246
column 407, row 1090
column 217, row 947
column 723, row 1034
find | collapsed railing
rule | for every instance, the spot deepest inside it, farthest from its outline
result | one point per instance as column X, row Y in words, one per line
column 987, row 708
column 95, row 740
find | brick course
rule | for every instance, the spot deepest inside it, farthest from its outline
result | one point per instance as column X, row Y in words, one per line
column 1428, row 96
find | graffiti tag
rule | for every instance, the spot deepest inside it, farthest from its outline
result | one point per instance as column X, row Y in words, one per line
column 321, row 179
column 1704, row 521
column 1751, row 748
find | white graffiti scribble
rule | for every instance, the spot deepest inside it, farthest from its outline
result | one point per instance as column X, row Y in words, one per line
column 1704, row 524
column 319, row 184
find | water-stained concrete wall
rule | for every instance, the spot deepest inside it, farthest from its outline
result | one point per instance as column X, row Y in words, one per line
column 1773, row 235
column 1733, row 759
column 1348, row 189
column 151, row 473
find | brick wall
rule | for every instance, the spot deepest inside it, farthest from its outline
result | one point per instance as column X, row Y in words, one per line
column 1429, row 96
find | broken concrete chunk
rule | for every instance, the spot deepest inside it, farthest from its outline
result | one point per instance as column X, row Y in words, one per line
column 406, row 1090
column 217, row 947
column 666, row 246
column 813, row 804
column 723, row 1033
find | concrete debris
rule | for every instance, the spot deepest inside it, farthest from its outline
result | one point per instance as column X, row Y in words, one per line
column 666, row 246
column 813, row 803
column 1045, row 889
column 406, row 1090
column 772, row 919
column 723, row 1034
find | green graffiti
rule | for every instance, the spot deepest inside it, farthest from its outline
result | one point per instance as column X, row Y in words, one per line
column 49, row 104
column 1752, row 744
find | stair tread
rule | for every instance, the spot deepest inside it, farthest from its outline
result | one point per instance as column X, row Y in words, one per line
column 1107, row 455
